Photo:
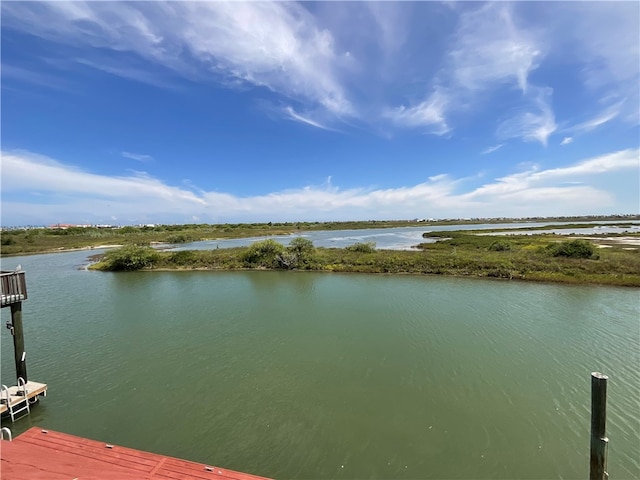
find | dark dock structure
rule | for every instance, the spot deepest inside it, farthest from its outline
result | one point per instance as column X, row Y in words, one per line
column 17, row 399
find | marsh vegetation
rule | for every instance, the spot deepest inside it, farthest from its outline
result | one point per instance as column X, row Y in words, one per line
column 523, row 257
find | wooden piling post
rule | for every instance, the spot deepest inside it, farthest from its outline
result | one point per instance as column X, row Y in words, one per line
column 18, row 340
column 599, row 440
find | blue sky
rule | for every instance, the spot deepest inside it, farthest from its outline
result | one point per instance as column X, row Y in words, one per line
column 149, row 112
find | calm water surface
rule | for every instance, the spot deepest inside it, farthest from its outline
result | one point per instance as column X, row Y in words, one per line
column 307, row 375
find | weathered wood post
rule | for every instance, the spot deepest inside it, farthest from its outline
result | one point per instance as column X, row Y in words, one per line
column 13, row 288
column 599, row 440
column 18, row 340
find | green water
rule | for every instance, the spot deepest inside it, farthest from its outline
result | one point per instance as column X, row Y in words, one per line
column 305, row 375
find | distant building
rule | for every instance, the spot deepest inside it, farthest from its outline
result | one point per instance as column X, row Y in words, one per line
column 61, row 226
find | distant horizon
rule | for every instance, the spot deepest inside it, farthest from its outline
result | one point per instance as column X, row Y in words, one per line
column 293, row 222
column 243, row 112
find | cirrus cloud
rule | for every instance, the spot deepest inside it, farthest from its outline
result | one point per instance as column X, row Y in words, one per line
column 330, row 63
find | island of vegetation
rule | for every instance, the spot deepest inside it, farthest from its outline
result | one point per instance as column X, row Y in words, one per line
column 459, row 253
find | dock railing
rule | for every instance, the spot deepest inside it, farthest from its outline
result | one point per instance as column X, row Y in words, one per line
column 13, row 287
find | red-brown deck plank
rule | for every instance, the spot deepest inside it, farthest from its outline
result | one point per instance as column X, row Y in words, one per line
column 22, row 461
column 120, row 457
column 53, row 455
column 174, row 468
column 175, row 464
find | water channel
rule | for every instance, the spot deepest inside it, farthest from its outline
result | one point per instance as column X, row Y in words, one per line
column 309, row 375
column 406, row 238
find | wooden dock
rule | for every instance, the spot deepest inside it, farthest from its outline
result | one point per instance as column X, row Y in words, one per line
column 17, row 400
column 16, row 396
column 45, row 454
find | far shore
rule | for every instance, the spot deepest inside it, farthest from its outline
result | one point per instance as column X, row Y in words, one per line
column 609, row 241
column 43, row 241
column 63, row 250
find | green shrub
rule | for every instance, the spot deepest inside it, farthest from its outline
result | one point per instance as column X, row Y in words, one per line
column 368, row 247
column 500, row 246
column 573, row 249
column 126, row 230
column 298, row 254
column 129, row 258
column 8, row 240
column 301, row 246
column 264, row 253
column 183, row 257
column 179, row 238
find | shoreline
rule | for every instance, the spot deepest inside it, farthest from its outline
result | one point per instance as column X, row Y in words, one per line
column 532, row 278
column 609, row 241
column 62, row 250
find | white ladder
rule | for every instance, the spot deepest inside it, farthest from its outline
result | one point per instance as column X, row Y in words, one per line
column 16, row 407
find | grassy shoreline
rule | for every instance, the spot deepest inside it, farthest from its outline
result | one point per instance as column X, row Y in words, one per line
column 543, row 258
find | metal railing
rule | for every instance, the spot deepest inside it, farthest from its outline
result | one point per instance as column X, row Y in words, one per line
column 7, row 432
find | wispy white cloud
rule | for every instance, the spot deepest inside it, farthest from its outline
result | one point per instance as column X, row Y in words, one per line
column 603, row 117
column 609, row 40
column 318, row 63
column 491, row 48
column 273, row 45
column 429, row 113
column 66, row 193
column 391, row 22
column 623, row 160
column 23, row 171
column 492, row 149
column 293, row 115
column 536, row 124
column 573, row 190
column 489, row 51
column 603, row 38
column 140, row 157
column 11, row 73
column 566, row 141
column 125, row 69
